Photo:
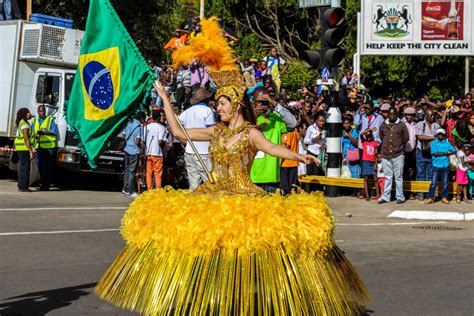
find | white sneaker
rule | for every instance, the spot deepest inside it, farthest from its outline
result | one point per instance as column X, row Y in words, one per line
column 133, row 195
column 125, row 192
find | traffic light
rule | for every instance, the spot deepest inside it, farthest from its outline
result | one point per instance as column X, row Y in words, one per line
column 334, row 28
column 334, row 31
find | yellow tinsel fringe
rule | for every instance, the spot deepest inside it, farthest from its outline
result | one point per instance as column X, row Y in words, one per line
column 268, row 282
column 208, row 48
column 197, row 225
column 216, row 254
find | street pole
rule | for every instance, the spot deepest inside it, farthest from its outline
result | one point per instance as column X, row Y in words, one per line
column 334, row 132
column 356, row 58
column 466, row 74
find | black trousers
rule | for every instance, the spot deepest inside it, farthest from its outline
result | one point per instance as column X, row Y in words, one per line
column 45, row 166
column 313, row 170
column 288, row 178
column 23, row 169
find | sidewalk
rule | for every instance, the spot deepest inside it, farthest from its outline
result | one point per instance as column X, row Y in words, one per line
column 411, row 209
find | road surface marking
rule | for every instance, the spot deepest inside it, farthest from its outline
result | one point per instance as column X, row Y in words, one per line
column 61, row 232
column 386, row 224
column 430, row 215
column 65, row 208
column 117, row 229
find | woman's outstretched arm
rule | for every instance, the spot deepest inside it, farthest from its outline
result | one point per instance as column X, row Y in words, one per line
column 261, row 143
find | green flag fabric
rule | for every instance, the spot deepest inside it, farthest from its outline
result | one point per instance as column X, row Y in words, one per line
column 112, row 80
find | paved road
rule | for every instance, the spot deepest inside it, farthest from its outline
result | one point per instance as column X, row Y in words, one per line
column 51, row 257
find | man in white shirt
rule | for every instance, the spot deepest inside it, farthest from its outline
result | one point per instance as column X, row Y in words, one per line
column 315, row 139
column 199, row 115
column 155, row 137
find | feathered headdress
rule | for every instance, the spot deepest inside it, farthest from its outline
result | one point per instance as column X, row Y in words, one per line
column 210, row 48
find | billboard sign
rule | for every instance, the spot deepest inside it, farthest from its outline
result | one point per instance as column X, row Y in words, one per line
column 417, row 27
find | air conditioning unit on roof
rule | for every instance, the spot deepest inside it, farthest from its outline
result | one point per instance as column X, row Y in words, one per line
column 51, row 44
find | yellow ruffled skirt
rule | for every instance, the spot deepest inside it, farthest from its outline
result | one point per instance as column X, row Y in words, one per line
column 217, row 254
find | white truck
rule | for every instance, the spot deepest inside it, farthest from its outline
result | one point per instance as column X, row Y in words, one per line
column 37, row 66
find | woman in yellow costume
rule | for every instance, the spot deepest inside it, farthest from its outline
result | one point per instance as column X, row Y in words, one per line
column 228, row 248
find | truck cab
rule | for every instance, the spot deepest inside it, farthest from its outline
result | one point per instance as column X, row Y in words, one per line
column 39, row 64
column 52, row 87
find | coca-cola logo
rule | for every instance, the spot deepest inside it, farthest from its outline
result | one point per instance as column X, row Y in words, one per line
column 433, row 8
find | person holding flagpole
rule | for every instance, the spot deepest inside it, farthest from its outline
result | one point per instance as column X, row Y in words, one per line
column 228, row 247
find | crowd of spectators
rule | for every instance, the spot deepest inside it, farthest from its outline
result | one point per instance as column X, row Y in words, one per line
column 385, row 140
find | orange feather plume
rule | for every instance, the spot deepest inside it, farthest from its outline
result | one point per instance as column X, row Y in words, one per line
column 208, row 48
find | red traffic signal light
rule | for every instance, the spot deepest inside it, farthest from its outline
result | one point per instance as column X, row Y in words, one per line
column 334, row 17
column 334, row 31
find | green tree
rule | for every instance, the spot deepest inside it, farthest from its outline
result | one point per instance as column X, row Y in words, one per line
column 296, row 77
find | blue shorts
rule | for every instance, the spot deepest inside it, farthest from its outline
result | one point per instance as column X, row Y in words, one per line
column 368, row 168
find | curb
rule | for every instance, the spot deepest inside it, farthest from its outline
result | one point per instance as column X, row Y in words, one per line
column 448, row 216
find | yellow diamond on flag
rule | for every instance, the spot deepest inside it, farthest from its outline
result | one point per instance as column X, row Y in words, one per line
column 100, row 78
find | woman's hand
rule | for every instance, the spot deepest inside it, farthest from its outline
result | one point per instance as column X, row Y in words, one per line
column 309, row 159
column 32, row 153
column 160, row 89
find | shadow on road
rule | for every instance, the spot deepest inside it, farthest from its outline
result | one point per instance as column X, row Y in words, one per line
column 40, row 303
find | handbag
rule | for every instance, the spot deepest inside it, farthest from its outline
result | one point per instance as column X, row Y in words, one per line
column 353, row 155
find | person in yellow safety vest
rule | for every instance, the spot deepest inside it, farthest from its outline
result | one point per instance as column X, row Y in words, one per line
column 25, row 148
column 46, row 143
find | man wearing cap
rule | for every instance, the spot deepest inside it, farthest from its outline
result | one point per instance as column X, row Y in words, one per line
column 393, row 136
column 384, row 110
column 441, row 149
column 409, row 169
column 365, row 119
column 199, row 115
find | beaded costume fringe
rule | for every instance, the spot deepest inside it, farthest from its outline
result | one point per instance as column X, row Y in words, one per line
column 266, row 283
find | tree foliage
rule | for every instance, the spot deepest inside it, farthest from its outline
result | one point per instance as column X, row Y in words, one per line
column 261, row 24
column 296, row 77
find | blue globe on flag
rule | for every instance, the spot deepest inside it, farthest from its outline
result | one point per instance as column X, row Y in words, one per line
column 99, row 85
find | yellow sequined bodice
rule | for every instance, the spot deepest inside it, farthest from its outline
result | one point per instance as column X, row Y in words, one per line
column 231, row 166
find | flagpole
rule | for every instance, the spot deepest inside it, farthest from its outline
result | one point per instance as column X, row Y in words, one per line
column 201, row 9
column 190, row 142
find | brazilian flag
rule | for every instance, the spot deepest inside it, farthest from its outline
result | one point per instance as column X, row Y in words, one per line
column 111, row 82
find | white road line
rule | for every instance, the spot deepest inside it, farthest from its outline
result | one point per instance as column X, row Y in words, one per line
column 386, row 224
column 65, row 208
column 61, row 232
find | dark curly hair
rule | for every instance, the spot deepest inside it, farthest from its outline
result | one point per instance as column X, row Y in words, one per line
column 21, row 115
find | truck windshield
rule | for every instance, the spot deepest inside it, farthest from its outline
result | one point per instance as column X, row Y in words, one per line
column 47, row 90
column 68, row 85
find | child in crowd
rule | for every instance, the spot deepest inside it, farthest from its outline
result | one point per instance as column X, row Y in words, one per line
column 470, row 172
column 380, row 175
column 369, row 158
column 461, row 171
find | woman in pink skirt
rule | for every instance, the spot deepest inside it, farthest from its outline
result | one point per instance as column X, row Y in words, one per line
column 461, row 171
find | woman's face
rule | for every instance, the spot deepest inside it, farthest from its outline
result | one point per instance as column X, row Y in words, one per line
column 28, row 115
column 267, row 83
column 346, row 126
column 320, row 122
column 224, row 109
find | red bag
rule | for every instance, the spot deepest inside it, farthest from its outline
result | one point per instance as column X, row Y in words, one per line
column 353, row 155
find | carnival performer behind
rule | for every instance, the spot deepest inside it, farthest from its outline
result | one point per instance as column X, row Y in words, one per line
column 228, row 247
